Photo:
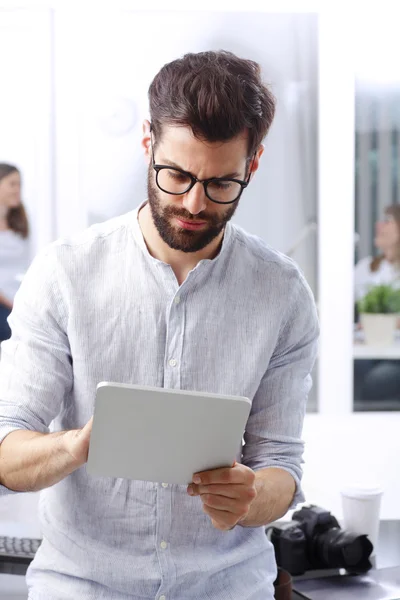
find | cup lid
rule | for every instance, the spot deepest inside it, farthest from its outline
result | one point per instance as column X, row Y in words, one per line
column 361, row 491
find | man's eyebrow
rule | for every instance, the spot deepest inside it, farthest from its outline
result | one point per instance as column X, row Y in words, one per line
column 171, row 163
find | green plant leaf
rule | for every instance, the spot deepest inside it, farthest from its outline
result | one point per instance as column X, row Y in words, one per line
column 380, row 299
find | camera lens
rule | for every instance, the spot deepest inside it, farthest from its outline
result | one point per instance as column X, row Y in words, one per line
column 336, row 548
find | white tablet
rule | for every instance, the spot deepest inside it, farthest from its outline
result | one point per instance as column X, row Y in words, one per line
column 162, row 435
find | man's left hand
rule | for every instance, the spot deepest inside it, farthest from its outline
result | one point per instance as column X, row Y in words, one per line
column 226, row 494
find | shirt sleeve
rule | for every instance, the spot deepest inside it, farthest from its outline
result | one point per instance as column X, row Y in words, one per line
column 274, row 428
column 35, row 366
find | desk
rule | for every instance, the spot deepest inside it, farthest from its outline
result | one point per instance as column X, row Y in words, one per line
column 13, row 587
column 362, row 350
column 387, row 550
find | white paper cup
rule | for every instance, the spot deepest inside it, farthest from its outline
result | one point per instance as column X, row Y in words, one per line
column 361, row 508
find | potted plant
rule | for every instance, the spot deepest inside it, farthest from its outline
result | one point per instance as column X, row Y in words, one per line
column 379, row 312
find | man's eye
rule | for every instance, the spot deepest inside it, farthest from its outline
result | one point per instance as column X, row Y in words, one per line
column 222, row 185
column 176, row 176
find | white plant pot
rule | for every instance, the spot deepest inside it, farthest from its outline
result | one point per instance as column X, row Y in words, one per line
column 379, row 329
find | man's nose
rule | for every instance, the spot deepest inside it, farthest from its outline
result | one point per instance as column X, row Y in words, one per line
column 195, row 200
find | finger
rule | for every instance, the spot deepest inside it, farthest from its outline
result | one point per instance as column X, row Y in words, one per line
column 245, row 493
column 237, row 474
column 225, row 504
column 223, row 475
column 230, row 491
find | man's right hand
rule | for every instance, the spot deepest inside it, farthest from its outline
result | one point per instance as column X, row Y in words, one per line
column 31, row 461
column 77, row 443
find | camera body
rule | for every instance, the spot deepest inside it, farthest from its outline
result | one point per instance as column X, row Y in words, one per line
column 314, row 540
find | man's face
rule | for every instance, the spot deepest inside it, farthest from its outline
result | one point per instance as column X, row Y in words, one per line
column 191, row 221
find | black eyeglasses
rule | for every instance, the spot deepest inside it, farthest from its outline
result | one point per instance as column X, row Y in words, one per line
column 177, row 182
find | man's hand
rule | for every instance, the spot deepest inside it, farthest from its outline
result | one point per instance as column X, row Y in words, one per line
column 226, row 494
column 31, row 461
column 76, row 443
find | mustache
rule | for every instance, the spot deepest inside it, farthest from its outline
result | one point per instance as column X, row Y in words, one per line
column 185, row 216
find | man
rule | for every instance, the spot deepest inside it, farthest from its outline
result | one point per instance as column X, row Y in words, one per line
column 171, row 295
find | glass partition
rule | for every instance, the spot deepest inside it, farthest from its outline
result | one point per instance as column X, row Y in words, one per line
column 377, row 223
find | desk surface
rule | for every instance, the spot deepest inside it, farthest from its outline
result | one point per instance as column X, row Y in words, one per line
column 13, row 587
column 363, row 350
column 383, row 584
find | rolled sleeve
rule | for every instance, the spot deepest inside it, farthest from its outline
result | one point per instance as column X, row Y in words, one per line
column 35, row 365
column 274, row 428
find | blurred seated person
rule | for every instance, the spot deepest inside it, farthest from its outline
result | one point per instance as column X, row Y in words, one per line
column 379, row 379
column 385, row 268
column 14, row 247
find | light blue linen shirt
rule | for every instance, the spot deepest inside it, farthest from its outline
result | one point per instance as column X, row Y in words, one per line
column 100, row 307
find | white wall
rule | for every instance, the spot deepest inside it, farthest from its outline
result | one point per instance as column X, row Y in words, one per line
column 26, row 117
column 359, row 449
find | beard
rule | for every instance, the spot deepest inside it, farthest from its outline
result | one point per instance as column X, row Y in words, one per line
column 178, row 238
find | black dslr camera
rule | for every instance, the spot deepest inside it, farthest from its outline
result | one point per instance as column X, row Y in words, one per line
column 314, row 540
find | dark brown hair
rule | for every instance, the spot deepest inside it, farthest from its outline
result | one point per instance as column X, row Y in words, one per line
column 17, row 219
column 394, row 211
column 217, row 94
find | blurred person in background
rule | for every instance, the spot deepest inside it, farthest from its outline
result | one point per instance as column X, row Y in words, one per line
column 14, row 248
column 379, row 379
column 384, row 269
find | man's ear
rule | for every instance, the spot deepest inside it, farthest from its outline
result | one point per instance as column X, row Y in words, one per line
column 255, row 161
column 146, row 141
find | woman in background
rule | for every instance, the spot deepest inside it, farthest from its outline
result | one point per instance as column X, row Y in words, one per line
column 385, row 268
column 379, row 380
column 14, row 249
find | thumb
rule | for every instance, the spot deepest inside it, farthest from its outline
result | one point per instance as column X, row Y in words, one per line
column 77, row 442
column 89, row 423
column 86, row 430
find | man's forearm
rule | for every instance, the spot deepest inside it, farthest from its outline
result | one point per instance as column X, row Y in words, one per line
column 31, row 461
column 275, row 490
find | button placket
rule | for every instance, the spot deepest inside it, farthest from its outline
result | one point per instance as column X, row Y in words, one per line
column 176, row 315
column 163, row 536
column 174, row 340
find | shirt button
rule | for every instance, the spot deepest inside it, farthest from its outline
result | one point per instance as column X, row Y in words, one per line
column 162, row 598
column 164, row 485
column 177, row 299
column 173, row 362
column 163, row 545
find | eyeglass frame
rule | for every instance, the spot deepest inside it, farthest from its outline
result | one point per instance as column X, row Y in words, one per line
column 194, row 179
